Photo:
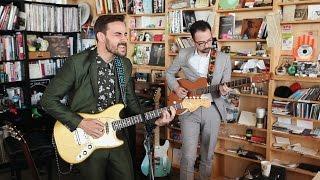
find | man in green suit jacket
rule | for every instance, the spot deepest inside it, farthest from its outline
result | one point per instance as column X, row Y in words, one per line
column 92, row 84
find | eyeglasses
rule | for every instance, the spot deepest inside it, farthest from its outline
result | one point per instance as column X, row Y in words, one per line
column 204, row 43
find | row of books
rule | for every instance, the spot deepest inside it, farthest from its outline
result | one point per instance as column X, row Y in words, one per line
column 230, row 28
column 9, row 17
column 184, row 42
column 50, row 1
column 47, row 18
column 303, row 12
column 191, row 3
column 180, row 21
column 146, row 6
column 41, row 69
column 297, row 109
column 12, row 47
column 147, row 22
column 110, row 6
column 11, row 71
column 311, row 94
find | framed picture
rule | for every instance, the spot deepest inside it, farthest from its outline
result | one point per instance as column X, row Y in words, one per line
column 157, row 55
column 141, row 36
column 300, row 13
column 157, row 76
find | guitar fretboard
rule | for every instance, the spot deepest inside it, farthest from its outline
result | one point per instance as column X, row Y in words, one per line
column 213, row 88
column 126, row 122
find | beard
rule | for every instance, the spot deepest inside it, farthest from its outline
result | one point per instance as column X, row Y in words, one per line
column 206, row 50
column 120, row 50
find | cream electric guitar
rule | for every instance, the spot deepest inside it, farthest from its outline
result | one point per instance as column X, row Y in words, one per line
column 76, row 146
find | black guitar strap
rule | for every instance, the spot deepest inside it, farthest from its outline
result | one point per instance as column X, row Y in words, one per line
column 121, row 78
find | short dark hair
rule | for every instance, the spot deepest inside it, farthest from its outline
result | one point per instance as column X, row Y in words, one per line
column 101, row 24
column 199, row 26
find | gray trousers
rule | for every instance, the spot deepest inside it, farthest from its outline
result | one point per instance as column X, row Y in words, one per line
column 203, row 122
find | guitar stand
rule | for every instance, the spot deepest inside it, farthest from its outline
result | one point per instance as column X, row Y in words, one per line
column 149, row 149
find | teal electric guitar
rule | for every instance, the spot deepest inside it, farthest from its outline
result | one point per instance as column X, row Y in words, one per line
column 162, row 164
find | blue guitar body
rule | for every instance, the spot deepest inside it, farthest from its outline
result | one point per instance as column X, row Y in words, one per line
column 162, row 164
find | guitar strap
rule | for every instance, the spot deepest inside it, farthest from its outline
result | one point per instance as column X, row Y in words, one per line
column 121, row 77
column 211, row 66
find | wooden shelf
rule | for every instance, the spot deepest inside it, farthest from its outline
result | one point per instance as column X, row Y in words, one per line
column 194, row 9
column 241, row 141
column 295, row 153
column 294, row 136
column 224, row 152
column 292, row 100
column 254, row 96
column 14, row 83
column 146, row 28
column 51, row 33
column 299, row 3
column 296, row 79
column 301, row 22
column 249, row 57
column 153, row 14
column 16, row 60
column 296, row 118
column 123, row 13
column 9, row 32
column 143, row 66
column 179, row 34
column 46, row 77
column 242, row 40
column 147, row 42
column 51, row 58
column 245, row 9
column 301, row 171
column 244, row 126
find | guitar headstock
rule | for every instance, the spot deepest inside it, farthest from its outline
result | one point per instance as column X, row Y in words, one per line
column 260, row 78
column 15, row 133
column 193, row 104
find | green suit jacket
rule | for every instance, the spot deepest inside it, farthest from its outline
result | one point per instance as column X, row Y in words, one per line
column 78, row 79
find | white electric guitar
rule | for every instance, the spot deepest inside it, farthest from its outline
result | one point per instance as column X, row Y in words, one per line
column 76, row 146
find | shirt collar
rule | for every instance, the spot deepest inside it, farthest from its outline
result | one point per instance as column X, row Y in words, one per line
column 196, row 53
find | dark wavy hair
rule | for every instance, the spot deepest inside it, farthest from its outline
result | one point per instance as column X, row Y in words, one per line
column 102, row 22
column 199, row 26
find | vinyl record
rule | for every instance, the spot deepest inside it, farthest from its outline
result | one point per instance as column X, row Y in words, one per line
column 228, row 4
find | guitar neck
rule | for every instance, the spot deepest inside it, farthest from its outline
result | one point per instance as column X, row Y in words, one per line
column 126, row 122
column 214, row 88
column 157, row 129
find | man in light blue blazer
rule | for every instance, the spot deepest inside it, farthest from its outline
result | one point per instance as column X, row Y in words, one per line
column 204, row 122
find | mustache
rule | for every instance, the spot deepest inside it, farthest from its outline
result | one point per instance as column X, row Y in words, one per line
column 122, row 44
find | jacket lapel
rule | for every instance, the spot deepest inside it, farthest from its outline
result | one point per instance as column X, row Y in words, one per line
column 93, row 71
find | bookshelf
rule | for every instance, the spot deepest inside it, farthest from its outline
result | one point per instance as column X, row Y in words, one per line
column 299, row 26
column 34, row 25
